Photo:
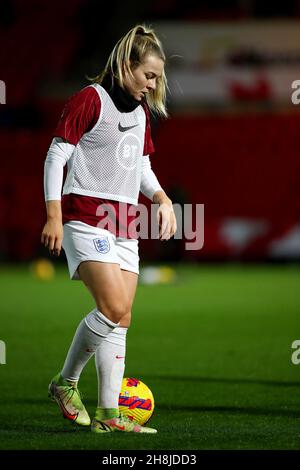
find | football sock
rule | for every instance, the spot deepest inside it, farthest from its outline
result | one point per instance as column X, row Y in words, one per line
column 91, row 331
column 110, row 365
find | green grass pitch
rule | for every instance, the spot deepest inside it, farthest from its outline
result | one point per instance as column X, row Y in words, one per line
column 214, row 347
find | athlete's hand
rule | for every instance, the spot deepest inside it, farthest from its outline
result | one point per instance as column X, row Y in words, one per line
column 166, row 221
column 52, row 236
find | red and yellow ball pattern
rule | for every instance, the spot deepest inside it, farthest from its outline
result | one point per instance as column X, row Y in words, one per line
column 136, row 400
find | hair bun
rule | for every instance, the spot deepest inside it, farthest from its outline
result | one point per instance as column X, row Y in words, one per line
column 142, row 31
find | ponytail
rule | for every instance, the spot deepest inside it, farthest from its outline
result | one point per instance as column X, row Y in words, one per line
column 129, row 52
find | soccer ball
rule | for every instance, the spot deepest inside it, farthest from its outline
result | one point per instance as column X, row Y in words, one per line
column 43, row 269
column 136, row 400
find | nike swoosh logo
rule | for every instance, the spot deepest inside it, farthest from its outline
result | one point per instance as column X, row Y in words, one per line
column 122, row 428
column 124, row 129
column 120, row 357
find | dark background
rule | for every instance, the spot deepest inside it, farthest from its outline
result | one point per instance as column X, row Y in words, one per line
column 239, row 158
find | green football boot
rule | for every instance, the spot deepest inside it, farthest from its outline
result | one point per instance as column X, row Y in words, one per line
column 109, row 420
column 67, row 396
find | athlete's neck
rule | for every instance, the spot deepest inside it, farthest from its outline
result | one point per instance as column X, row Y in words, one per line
column 121, row 98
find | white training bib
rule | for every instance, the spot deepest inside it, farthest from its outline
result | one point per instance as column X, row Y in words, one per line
column 107, row 161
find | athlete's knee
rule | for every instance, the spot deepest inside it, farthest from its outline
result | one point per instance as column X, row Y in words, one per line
column 114, row 311
column 126, row 320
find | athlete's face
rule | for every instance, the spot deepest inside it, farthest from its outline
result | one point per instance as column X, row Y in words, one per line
column 144, row 77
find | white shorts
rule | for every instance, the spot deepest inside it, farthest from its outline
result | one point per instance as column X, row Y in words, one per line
column 83, row 242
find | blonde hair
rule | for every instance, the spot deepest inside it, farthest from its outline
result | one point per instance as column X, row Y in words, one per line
column 129, row 52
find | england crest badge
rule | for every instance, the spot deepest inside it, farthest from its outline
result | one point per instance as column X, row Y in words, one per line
column 102, row 244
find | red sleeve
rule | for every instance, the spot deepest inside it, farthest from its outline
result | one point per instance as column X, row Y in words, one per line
column 148, row 144
column 80, row 114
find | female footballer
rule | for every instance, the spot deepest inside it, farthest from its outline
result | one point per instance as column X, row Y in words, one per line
column 104, row 137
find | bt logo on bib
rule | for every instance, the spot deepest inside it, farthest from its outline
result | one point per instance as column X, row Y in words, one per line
column 128, row 150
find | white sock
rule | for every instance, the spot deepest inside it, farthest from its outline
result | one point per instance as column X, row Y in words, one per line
column 110, row 364
column 91, row 331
